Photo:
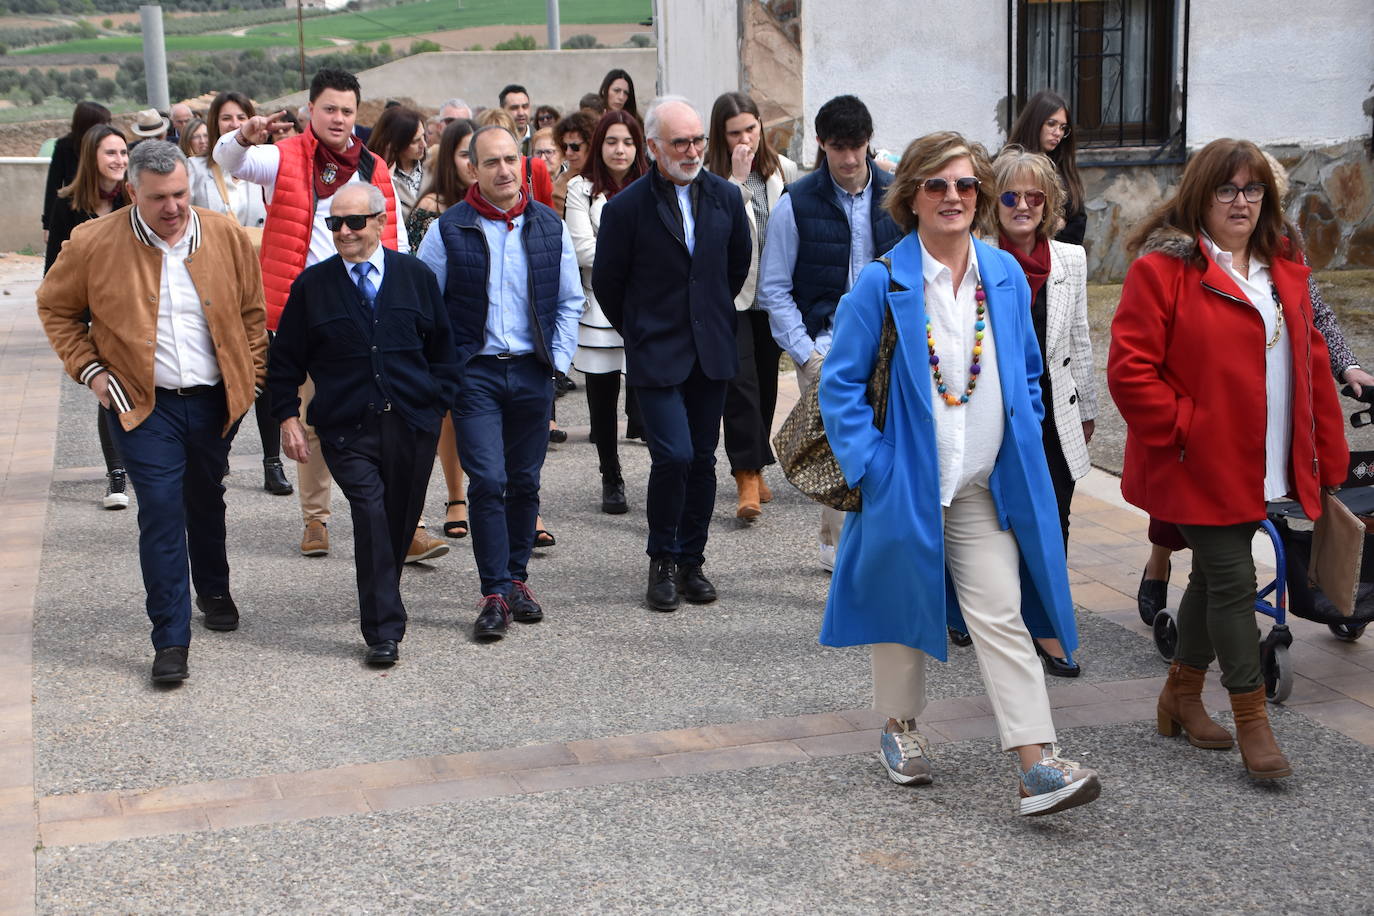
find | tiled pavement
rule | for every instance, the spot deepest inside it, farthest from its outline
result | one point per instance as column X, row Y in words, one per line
column 1335, row 686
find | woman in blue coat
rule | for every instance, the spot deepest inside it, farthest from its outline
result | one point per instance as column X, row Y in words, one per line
column 959, row 523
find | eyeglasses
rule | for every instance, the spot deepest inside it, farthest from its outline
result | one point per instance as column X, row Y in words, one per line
column 935, row 188
column 1254, row 192
column 573, row 147
column 683, row 144
column 1033, row 198
column 545, row 119
column 1061, row 127
column 354, row 221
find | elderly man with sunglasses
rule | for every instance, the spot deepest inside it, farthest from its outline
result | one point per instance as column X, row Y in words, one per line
column 370, row 327
column 821, row 234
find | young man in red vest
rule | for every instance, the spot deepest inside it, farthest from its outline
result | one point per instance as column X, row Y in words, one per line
column 300, row 175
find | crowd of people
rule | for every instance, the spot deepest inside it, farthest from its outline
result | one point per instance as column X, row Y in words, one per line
column 423, row 288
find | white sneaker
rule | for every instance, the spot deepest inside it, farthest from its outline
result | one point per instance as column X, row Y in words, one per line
column 828, row 557
column 1055, row 784
column 116, row 492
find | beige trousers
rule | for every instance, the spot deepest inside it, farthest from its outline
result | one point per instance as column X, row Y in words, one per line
column 314, row 484
column 832, row 520
column 984, row 563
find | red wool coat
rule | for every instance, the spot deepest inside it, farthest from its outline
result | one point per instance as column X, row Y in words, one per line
column 1186, row 369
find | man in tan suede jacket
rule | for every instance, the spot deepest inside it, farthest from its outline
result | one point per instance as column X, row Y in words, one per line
column 176, row 347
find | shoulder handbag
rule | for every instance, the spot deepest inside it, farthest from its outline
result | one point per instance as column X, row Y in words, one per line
column 254, row 233
column 1337, row 551
column 801, row 446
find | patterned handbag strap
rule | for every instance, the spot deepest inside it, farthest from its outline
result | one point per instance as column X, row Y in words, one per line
column 881, row 381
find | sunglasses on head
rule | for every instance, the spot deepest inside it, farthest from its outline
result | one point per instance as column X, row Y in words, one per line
column 1033, row 198
column 354, row 221
column 572, row 147
column 935, row 188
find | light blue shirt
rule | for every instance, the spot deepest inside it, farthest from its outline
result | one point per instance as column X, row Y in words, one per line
column 508, row 314
column 378, row 262
column 689, row 222
column 779, row 261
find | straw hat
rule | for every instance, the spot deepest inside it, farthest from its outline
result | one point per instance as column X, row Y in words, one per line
column 149, row 123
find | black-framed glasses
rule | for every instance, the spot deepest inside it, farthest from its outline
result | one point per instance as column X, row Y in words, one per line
column 681, row 145
column 1254, row 192
column 573, row 147
column 354, row 221
column 1033, row 198
column 935, row 188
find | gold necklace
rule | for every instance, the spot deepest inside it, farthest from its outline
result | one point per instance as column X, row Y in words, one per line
column 1278, row 318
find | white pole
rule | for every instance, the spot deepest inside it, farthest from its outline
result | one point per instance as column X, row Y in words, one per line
column 554, row 42
column 154, row 57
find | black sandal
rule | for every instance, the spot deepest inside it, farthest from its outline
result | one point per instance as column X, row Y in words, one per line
column 543, row 539
column 458, row 529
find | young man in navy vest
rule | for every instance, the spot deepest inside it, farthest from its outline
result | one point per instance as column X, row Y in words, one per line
column 672, row 254
column 508, row 271
column 823, row 231
column 370, row 327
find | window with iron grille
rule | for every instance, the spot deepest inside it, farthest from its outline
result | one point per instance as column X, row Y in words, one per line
column 1113, row 60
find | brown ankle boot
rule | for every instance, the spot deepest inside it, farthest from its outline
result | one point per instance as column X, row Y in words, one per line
column 1258, row 749
column 748, row 484
column 765, row 494
column 1180, row 709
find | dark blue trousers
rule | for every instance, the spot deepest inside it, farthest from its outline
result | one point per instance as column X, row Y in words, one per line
column 384, row 472
column 682, row 426
column 175, row 459
column 502, row 423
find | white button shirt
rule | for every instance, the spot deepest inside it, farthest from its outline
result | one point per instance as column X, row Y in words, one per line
column 968, row 436
column 1278, row 368
column 185, row 352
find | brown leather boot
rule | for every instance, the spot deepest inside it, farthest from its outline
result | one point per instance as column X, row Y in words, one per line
column 765, row 494
column 1258, row 749
column 748, row 484
column 1180, row 710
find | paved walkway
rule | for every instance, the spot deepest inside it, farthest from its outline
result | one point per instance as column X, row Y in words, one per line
column 608, row 760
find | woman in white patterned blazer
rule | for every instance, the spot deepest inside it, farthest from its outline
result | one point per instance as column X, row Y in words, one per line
column 1030, row 203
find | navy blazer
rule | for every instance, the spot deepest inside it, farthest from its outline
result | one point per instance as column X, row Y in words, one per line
column 674, row 309
column 361, row 361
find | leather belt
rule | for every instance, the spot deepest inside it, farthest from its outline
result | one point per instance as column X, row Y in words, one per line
column 194, row 390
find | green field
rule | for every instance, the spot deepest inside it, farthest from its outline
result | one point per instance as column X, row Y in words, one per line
column 133, row 44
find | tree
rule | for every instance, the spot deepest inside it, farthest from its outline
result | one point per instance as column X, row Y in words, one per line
column 517, row 42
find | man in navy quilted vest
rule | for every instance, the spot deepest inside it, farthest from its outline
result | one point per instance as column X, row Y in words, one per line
column 509, row 274
column 822, row 232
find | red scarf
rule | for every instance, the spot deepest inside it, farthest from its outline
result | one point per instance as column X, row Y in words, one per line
column 1036, row 264
column 489, row 210
column 338, row 167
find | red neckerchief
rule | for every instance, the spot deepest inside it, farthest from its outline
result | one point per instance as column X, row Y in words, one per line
column 114, row 192
column 486, row 208
column 334, row 169
column 1036, row 264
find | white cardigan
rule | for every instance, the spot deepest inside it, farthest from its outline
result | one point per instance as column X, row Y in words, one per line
column 786, row 173
column 1069, row 352
column 599, row 348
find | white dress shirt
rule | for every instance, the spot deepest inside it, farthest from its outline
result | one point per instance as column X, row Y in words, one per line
column 969, row 435
column 378, row 262
column 1278, row 368
column 185, row 353
column 259, row 165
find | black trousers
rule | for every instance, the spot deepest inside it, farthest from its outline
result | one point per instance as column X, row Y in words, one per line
column 752, row 395
column 269, row 430
column 603, row 396
column 1060, row 476
column 383, row 472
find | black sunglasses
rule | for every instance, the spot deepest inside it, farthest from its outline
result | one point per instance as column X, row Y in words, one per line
column 354, row 221
column 572, row 147
column 935, row 188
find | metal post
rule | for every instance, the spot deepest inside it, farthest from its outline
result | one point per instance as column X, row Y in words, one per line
column 154, row 57
column 554, row 41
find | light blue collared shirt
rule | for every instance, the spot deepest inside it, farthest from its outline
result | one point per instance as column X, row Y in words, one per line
column 378, row 262
column 508, row 314
column 689, row 222
column 779, row 261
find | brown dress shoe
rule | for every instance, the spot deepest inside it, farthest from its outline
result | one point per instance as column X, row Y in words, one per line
column 315, row 542
column 765, row 494
column 748, row 484
column 425, row 546
column 1258, row 749
column 1180, row 710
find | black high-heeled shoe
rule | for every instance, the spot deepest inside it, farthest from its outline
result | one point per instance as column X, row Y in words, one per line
column 1054, row 666
column 1152, row 596
column 959, row 638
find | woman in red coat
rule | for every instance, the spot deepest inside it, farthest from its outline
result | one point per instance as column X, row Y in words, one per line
column 1223, row 382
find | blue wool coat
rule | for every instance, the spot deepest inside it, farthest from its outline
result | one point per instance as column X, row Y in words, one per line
column 890, row 583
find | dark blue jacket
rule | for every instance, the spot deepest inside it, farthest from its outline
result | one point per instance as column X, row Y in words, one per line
column 823, row 240
column 469, row 263
column 360, row 361
column 674, row 309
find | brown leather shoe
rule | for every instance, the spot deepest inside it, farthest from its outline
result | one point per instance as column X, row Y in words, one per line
column 315, row 542
column 1258, row 749
column 1180, row 710
column 765, row 494
column 425, row 546
column 748, row 484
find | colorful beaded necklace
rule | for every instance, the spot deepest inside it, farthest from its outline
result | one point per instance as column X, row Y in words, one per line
column 979, row 329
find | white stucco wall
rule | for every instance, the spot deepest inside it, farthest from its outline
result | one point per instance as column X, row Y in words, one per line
column 1274, row 73
column 944, row 69
column 698, row 49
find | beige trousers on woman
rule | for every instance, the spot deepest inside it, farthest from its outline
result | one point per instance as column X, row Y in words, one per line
column 984, row 563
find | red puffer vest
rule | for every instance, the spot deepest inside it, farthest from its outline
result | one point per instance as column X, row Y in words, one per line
column 291, row 217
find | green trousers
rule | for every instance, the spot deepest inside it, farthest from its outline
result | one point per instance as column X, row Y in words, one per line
column 1216, row 618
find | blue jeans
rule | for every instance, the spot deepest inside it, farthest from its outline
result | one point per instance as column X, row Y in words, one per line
column 682, row 426
column 501, row 419
column 175, row 459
